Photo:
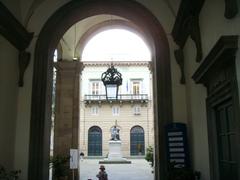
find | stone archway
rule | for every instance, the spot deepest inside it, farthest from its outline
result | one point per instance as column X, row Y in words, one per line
column 56, row 26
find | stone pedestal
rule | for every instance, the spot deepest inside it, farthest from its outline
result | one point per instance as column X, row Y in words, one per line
column 115, row 150
column 115, row 154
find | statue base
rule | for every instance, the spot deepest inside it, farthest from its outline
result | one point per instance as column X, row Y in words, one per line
column 115, row 150
column 115, row 154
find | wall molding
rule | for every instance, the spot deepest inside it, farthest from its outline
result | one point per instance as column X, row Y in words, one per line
column 226, row 45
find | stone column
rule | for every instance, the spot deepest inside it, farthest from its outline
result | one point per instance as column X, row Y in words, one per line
column 67, row 107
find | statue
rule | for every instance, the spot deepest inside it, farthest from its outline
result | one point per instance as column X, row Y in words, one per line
column 115, row 133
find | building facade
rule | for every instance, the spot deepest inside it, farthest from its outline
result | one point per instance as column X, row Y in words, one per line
column 132, row 111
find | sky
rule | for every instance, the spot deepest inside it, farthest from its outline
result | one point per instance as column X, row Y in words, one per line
column 116, row 45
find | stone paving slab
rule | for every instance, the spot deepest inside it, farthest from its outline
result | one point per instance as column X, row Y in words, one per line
column 139, row 169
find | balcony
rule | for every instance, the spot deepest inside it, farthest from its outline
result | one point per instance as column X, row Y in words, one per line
column 143, row 98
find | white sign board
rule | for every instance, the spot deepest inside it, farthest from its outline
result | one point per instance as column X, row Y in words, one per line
column 73, row 158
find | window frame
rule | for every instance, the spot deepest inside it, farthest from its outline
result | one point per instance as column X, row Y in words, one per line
column 135, row 112
column 114, row 110
column 94, row 110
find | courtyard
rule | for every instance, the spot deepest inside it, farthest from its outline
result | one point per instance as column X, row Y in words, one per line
column 139, row 169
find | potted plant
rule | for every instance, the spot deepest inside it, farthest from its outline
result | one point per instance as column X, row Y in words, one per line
column 59, row 165
column 149, row 155
column 11, row 175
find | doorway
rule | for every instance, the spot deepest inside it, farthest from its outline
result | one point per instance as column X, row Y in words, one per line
column 226, row 139
column 137, row 141
column 95, row 141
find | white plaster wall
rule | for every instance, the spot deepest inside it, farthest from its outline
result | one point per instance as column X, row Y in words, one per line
column 8, row 93
column 196, row 108
column 8, row 101
column 213, row 24
column 23, row 118
column 178, row 89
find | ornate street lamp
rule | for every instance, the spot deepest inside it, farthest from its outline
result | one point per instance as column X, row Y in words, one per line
column 111, row 79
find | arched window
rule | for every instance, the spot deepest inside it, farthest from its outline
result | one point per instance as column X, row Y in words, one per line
column 95, row 141
column 137, row 141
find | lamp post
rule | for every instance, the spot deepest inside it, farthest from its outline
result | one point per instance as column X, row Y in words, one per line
column 111, row 79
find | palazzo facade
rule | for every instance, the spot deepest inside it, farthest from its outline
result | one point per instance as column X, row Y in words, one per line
column 132, row 111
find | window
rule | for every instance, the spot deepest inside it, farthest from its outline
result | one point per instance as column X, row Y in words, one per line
column 136, row 86
column 115, row 110
column 94, row 110
column 95, row 87
column 137, row 110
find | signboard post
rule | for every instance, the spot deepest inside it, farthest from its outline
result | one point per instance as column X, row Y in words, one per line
column 73, row 160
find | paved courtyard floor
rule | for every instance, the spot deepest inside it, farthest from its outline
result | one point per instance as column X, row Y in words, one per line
column 139, row 169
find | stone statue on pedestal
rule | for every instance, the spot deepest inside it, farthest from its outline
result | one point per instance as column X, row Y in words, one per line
column 115, row 152
column 115, row 133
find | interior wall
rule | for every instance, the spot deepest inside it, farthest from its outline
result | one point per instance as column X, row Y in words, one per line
column 23, row 119
column 196, row 107
column 8, row 101
column 213, row 25
column 178, row 89
column 8, row 93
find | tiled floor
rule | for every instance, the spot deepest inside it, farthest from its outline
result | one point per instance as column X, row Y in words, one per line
column 139, row 169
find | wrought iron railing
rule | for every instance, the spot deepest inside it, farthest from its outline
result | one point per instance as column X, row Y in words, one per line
column 120, row 97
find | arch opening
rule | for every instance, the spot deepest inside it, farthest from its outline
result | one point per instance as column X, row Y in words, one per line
column 57, row 24
column 116, row 45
